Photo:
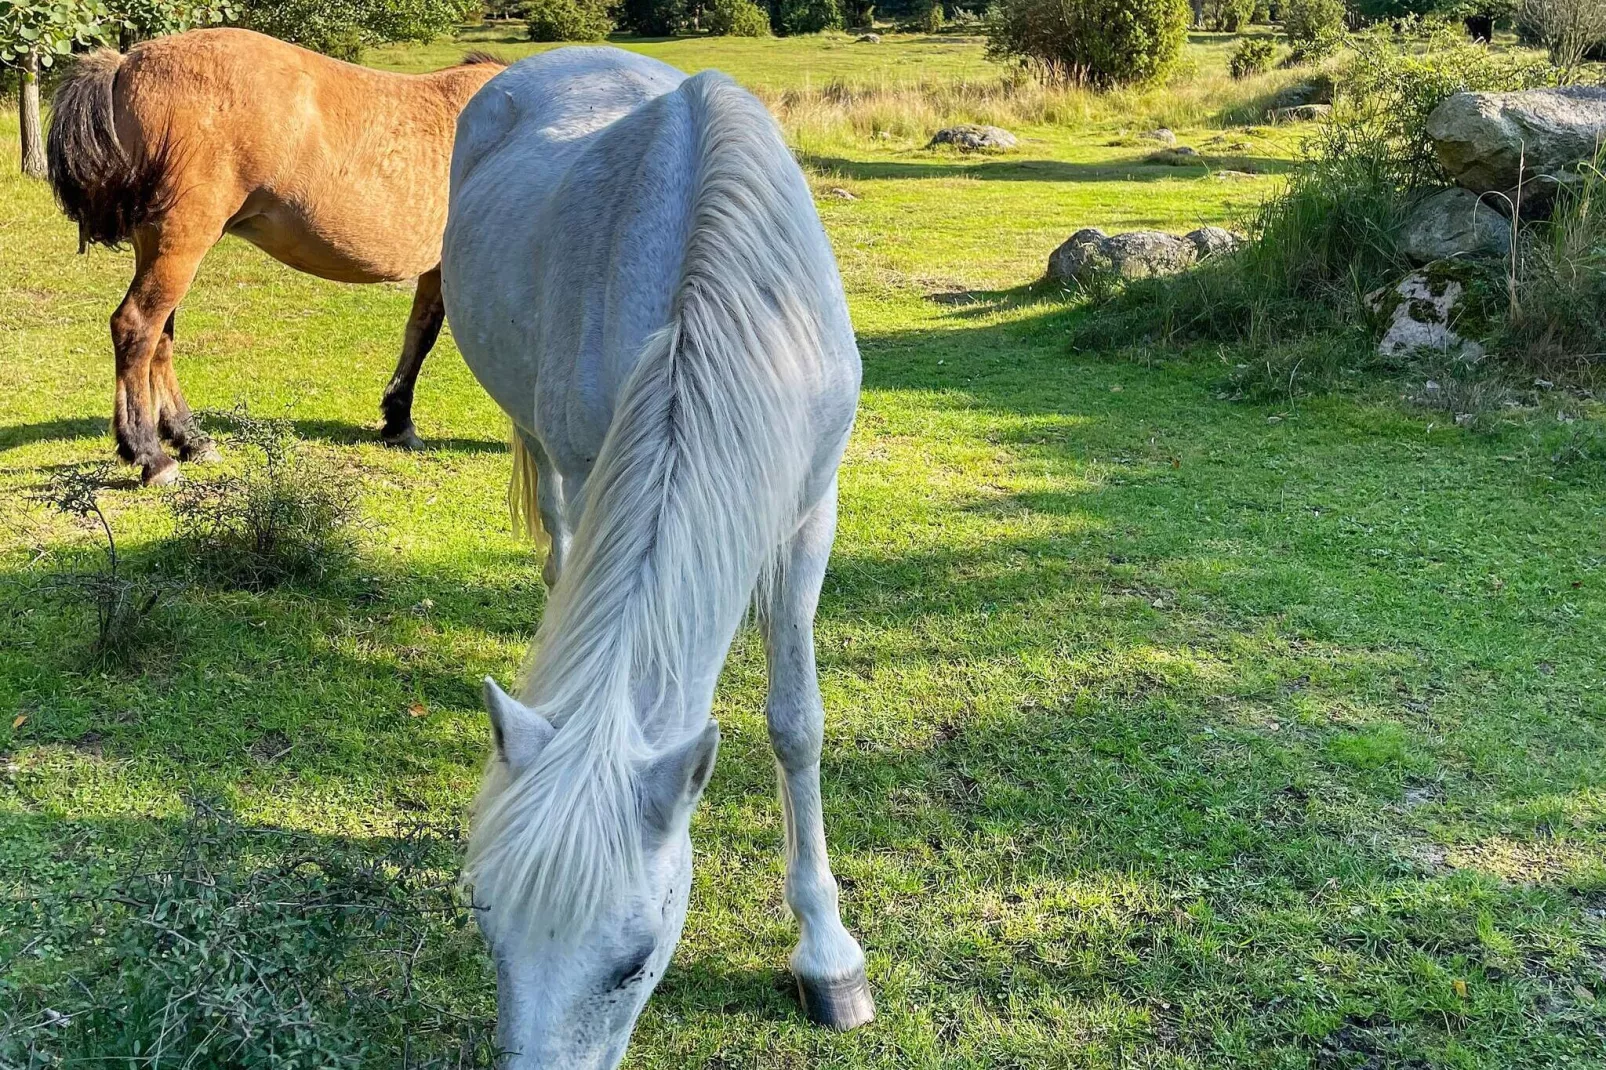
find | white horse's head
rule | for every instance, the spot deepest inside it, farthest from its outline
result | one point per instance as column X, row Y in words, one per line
column 569, row 993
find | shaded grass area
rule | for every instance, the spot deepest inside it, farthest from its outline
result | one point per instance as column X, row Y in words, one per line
column 1165, row 730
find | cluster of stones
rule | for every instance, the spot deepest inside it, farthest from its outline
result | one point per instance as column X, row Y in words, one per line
column 1137, row 254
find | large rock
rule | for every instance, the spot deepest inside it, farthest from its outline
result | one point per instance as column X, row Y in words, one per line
column 1419, row 310
column 970, row 137
column 1487, row 140
column 1138, row 254
column 1454, row 223
column 1212, row 241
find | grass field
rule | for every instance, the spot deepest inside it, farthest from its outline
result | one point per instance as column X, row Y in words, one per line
column 1165, row 730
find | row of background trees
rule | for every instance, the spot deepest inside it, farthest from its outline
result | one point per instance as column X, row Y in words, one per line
column 1101, row 43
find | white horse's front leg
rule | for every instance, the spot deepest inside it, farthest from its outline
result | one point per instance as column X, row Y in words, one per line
column 827, row 962
column 550, row 502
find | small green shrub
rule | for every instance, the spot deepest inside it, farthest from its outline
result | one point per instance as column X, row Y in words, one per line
column 930, row 20
column 1098, row 43
column 737, row 18
column 282, row 515
column 807, row 16
column 1315, row 28
column 1226, row 16
column 567, row 20
column 1253, row 56
column 121, row 604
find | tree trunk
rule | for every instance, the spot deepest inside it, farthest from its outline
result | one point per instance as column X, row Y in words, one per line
column 33, row 133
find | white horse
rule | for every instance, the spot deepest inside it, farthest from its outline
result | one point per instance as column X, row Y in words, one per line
column 634, row 269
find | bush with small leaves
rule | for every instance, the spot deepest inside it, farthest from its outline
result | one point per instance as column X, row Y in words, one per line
column 1315, row 28
column 567, row 20
column 282, row 515
column 1098, row 43
column 121, row 604
column 1253, row 56
column 1227, row 16
column 807, row 16
column 737, row 18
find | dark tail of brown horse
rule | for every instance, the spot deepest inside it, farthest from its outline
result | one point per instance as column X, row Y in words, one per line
column 102, row 186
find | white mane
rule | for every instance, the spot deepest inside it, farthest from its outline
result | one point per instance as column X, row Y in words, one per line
column 698, row 483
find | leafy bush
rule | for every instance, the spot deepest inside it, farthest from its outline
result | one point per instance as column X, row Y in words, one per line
column 1387, row 91
column 1315, row 28
column 806, row 16
column 121, row 604
column 343, row 28
column 1100, row 43
column 567, row 20
column 737, row 18
column 929, row 20
column 653, row 18
column 1227, row 16
column 1253, row 56
column 283, row 515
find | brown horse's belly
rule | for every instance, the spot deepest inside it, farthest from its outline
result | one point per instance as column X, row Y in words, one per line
column 290, row 238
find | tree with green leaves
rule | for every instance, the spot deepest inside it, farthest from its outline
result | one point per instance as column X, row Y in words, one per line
column 36, row 34
column 33, row 35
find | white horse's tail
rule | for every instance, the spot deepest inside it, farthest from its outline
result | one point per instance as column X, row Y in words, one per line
column 698, row 484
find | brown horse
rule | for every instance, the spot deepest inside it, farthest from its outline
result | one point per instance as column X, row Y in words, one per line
column 334, row 169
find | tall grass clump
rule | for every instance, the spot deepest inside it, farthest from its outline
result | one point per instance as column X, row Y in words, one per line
column 282, row 514
column 1556, row 319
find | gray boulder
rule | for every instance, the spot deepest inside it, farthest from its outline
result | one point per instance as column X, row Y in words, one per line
column 970, row 137
column 1454, row 223
column 1212, row 241
column 1164, row 135
column 868, row 39
column 1485, row 141
column 1137, row 254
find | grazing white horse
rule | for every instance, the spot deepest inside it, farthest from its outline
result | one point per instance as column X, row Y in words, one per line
column 634, row 269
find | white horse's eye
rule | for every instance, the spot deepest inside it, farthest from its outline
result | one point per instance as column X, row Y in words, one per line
column 633, row 970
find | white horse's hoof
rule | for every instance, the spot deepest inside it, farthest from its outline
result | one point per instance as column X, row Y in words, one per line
column 841, row 1004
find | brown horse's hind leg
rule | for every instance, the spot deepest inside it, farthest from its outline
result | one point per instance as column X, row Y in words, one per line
column 423, row 327
column 174, row 421
column 163, row 270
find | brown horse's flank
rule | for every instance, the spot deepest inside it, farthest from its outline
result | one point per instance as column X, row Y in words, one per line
column 334, row 169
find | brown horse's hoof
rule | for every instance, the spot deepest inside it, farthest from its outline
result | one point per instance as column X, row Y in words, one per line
column 159, row 473
column 405, row 439
column 203, row 452
column 841, row 1005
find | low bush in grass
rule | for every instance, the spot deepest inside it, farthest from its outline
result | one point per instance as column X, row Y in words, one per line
column 1098, row 43
column 1314, row 28
column 1226, row 16
column 120, row 602
column 567, row 20
column 1253, row 56
column 281, row 514
column 737, row 18
column 805, row 16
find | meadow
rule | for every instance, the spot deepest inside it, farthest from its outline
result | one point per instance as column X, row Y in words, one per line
column 1165, row 729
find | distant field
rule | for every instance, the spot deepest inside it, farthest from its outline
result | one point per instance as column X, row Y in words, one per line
column 1165, row 730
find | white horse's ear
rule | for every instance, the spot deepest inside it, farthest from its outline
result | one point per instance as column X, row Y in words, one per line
column 672, row 783
column 518, row 731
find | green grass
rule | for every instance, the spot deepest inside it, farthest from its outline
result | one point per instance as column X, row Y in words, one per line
column 1165, row 730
